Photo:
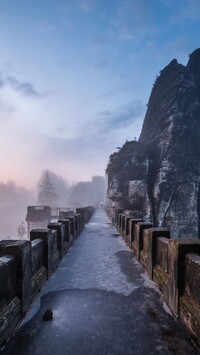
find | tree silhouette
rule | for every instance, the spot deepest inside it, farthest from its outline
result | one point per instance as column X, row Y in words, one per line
column 21, row 230
column 46, row 191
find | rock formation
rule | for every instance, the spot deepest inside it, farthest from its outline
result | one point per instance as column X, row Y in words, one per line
column 127, row 178
column 170, row 140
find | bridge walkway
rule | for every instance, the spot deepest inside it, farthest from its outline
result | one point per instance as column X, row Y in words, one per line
column 103, row 304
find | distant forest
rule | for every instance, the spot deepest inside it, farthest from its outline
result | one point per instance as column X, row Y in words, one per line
column 51, row 190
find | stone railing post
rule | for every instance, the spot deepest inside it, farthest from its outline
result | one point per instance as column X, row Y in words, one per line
column 138, row 230
column 132, row 223
column 153, row 234
column 21, row 249
column 68, row 236
column 177, row 250
column 46, row 236
column 59, row 227
column 117, row 211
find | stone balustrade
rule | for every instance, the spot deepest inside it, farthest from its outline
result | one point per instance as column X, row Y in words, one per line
column 25, row 265
column 173, row 264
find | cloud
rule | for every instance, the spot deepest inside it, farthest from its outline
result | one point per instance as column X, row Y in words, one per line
column 188, row 11
column 123, row 116
column 133, row 19
column 6, row 110
column 115, row 92
column 96, row 138
column 24, row 88
column 181, row 47
column 88, row 5
column 45, row 27
column 101, row 65
column 107, row 95
column 81, row 150
column 103, row 42
column 168, row 3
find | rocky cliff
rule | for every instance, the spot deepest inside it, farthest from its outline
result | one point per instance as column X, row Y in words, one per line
column 127, row 178
column 170, row 138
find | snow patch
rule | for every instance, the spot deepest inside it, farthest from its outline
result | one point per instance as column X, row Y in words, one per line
column 148, row 283
column 6, row 258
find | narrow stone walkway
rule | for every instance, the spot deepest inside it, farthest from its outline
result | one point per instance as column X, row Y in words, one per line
column 103, row 304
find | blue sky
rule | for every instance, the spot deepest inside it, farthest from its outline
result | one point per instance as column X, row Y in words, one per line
column 75, row 78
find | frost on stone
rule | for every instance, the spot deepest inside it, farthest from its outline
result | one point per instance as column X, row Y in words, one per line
column 6, row 258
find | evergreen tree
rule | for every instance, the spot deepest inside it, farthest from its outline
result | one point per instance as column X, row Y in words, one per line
column 21, row 230
column 46, row 192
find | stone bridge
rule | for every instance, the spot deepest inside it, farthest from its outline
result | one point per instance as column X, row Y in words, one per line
column 117, row 289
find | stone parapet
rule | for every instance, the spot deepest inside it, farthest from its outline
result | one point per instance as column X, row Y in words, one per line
column 189, row 302
column 178, row 248
column 62, row 244
column 173, row 264
column 131, row 235
column 138, row 242
column 21, row 250
column 38, row 269
column 26, row 265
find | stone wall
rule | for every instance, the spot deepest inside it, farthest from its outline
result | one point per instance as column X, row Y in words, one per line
column 173, row 264
column 25, row 265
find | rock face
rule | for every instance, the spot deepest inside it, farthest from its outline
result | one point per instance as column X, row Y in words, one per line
column 127, row 178
column 171, row 137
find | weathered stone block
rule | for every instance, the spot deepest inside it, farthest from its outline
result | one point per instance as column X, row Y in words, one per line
column 64, row 214
column 81, row 212
column 153, row 235
column 48, row 246
column 161, row 265
column 71, row 218
column 37, row 281
column 126, row 227
column 192, row 276
column 67, row 231
column 59, row 227
column 79, row 228
column 138, row 233
column 37, row 255
column 77, row 224
column 56, row 252
column 10, row 316
column 127, row 214
column 189, row 303
column 122, row 229
column 8, row 279
column 144, row 251
column 131, row 237
column 21, row 249
column 116, row 215
column 119, row 225
column 178, row 248
column 161, row 253
column 189, row 315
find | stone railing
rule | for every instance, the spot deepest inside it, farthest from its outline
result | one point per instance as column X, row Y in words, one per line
column 25, row 265
column 173, row 264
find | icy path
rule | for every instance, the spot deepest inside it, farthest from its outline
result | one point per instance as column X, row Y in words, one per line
column 102, row 304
